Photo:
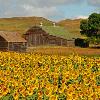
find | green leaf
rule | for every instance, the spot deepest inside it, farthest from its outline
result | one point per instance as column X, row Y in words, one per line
column 62, row 97
column 98, row 80
column 94, row 69
column 70, row 81
column 32, row 97
column 21, row 97
column 51, row 80
column 75, row 66
column 7, row 97
column 80, row 78
column 44, row 97
column 52, row 69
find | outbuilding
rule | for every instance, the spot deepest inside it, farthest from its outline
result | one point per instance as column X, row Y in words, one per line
column 12, row 41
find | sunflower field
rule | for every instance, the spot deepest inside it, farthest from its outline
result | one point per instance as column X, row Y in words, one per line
column 28, row 76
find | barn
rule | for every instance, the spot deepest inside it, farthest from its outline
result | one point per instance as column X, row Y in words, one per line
column 36, row 36
column 12, row 41
column 49, row 35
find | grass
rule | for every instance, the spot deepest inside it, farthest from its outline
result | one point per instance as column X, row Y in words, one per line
column 59, row 50
column 21, row 24
column 72, row 26
column 60, row 32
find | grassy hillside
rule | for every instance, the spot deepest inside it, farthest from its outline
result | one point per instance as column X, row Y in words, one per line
column 72, row 26
column 21, row 24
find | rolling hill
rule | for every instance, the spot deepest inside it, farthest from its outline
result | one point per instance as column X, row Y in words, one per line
column 72, row 26
column 21, row 24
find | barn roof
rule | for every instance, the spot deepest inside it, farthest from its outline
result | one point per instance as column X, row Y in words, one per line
column 61, row 32
column 35, row 29
column 12, row 36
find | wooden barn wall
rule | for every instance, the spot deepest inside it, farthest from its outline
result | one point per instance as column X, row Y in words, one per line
column 64, row 42
column 71, row 43
column 53, row 40
column 38, row 37
column 17, row 46
column 3, row 43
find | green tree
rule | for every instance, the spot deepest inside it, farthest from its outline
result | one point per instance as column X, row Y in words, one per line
column 84, row 26
column 91, row 26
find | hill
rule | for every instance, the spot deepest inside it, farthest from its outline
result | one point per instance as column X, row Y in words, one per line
column 21, row 24
column 73, row 26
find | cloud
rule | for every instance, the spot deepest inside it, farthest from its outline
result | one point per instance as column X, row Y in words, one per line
column 44, row 8
column 46, row 3
column 44, row 11
column 81, row 17
column 94, row 2
column 39, row 3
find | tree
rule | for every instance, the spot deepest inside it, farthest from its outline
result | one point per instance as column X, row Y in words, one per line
column 84, row 26
column 94, row 23
column 91, row 26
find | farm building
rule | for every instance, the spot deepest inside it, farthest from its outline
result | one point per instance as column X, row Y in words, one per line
column 49, row 35
column 12, row 41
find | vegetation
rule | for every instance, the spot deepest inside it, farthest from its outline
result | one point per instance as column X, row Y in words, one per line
column 82, row 42
column 91, row 26
column 84, row 26
column 73, row 26
column 28, row 76
column 62, row 51
column 60, row 32
column 94, row 40
column 21, row 24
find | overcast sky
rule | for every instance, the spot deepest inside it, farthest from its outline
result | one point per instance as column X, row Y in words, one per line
column 51, row 9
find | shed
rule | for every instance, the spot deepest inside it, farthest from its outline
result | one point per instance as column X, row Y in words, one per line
column 12, row 41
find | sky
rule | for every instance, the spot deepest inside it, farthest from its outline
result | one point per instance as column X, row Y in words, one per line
column 52, row 9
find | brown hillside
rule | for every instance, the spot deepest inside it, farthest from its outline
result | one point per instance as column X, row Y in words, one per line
column 21, row 24
column 72, row 26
